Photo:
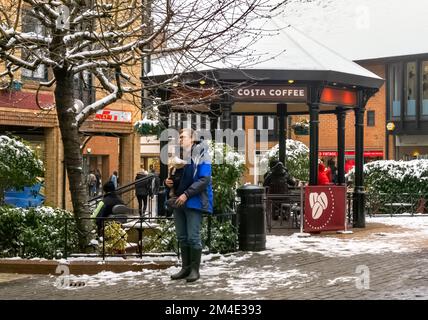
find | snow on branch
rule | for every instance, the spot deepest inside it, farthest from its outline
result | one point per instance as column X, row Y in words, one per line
column 98, row 105
column 45, row 8
column 20, row 62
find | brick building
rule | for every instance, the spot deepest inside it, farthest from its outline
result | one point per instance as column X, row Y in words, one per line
column 112, row 145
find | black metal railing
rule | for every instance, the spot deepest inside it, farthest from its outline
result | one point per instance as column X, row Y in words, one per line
column 283, row 210
column 396, row 203
column 125, row 188
column 137, row 236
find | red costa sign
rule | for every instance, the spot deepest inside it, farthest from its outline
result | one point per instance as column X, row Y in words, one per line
column 325, row 208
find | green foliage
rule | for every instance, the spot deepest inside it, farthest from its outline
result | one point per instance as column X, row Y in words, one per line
column 297, row 161
column 389, row 181
column 395, row 177
column 228, row 168
column 19, row 166
column 148, row 128
column 161, row 239
column 36, row 232
column 224, row 235
column 115, row 237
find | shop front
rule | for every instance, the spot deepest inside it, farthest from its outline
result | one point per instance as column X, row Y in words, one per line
column 369, row 156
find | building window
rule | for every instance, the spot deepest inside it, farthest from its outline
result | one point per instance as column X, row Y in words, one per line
column 31, row 24
column 370, row 118
column 411, row 90
column 395, row 86
column 424, row 80
column 83, row 89
column 268, row 124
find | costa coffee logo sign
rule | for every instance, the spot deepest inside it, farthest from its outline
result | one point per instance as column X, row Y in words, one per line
column 271, row 94
column 325, row 208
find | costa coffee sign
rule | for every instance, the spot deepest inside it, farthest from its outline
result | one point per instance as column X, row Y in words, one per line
column 271, row 94
column 113, row 116
column 325, row 208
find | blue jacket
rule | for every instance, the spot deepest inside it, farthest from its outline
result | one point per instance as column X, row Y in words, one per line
column 196, row 182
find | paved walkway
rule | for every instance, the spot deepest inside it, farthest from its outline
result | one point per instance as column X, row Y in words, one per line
column 248, row 276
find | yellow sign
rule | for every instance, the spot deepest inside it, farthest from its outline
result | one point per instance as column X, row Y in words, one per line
column 390, row 126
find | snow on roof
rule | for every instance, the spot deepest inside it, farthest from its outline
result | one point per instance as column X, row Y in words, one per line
column 362, row 29
column 279, row 48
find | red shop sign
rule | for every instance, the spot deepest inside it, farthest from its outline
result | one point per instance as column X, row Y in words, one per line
column 325, row 208
column 351, row 153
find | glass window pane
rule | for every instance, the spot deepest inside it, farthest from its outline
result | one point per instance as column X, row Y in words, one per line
column 370, row 118
column 411, row 89
column 424, row 74
column 394, row 91
column 31, row 24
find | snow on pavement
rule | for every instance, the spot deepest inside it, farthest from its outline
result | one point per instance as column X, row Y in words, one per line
column 374, row 243
column 237, row 277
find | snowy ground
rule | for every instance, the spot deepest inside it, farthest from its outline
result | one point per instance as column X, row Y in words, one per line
column 398, row 235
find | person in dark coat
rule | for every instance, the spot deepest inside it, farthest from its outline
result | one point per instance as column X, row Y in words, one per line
column 278, row 179
column 105, row 207
column 142, row 190
column 98, row 175
column 155, row 183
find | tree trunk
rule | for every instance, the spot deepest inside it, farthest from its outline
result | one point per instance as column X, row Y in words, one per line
column 2, row 196
column 64, row 100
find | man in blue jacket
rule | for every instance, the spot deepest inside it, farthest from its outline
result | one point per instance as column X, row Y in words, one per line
column 194, row 197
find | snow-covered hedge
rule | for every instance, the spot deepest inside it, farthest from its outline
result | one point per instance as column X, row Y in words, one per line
column 36, row 232
column 228, row 167
column 297, row 159
column 395, row 177
column 19, row 166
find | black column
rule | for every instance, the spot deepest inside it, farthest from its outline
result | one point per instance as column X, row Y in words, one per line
column 341, row 117
column 358, row 205
column 226, row 121
column 163, row 174
column 314, row 110
column 281, row 110
column 213, row 117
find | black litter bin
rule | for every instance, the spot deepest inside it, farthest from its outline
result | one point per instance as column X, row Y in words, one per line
column 251, row 215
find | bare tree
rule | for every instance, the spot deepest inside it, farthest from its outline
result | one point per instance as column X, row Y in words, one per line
column 104, row 44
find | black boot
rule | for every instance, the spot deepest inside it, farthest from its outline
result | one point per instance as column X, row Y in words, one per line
column 185, row 264
column 195, row 258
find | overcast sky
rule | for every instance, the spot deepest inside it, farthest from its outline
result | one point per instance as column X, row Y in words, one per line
column 362, row 29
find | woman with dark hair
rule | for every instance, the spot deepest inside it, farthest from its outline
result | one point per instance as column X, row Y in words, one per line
column 105, row 206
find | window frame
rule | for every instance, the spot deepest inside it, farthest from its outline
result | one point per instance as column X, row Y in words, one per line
column 369, row 123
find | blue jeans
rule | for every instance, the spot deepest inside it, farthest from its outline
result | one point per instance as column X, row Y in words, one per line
column 188, row 224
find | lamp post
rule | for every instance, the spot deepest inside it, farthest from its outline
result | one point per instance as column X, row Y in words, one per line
column 390, row 127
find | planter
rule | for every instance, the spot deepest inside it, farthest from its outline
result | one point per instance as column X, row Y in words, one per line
column 148, row 128
column 301, row 131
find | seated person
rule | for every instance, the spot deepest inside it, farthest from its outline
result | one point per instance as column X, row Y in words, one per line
column 105, row 207
column 278, row 179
